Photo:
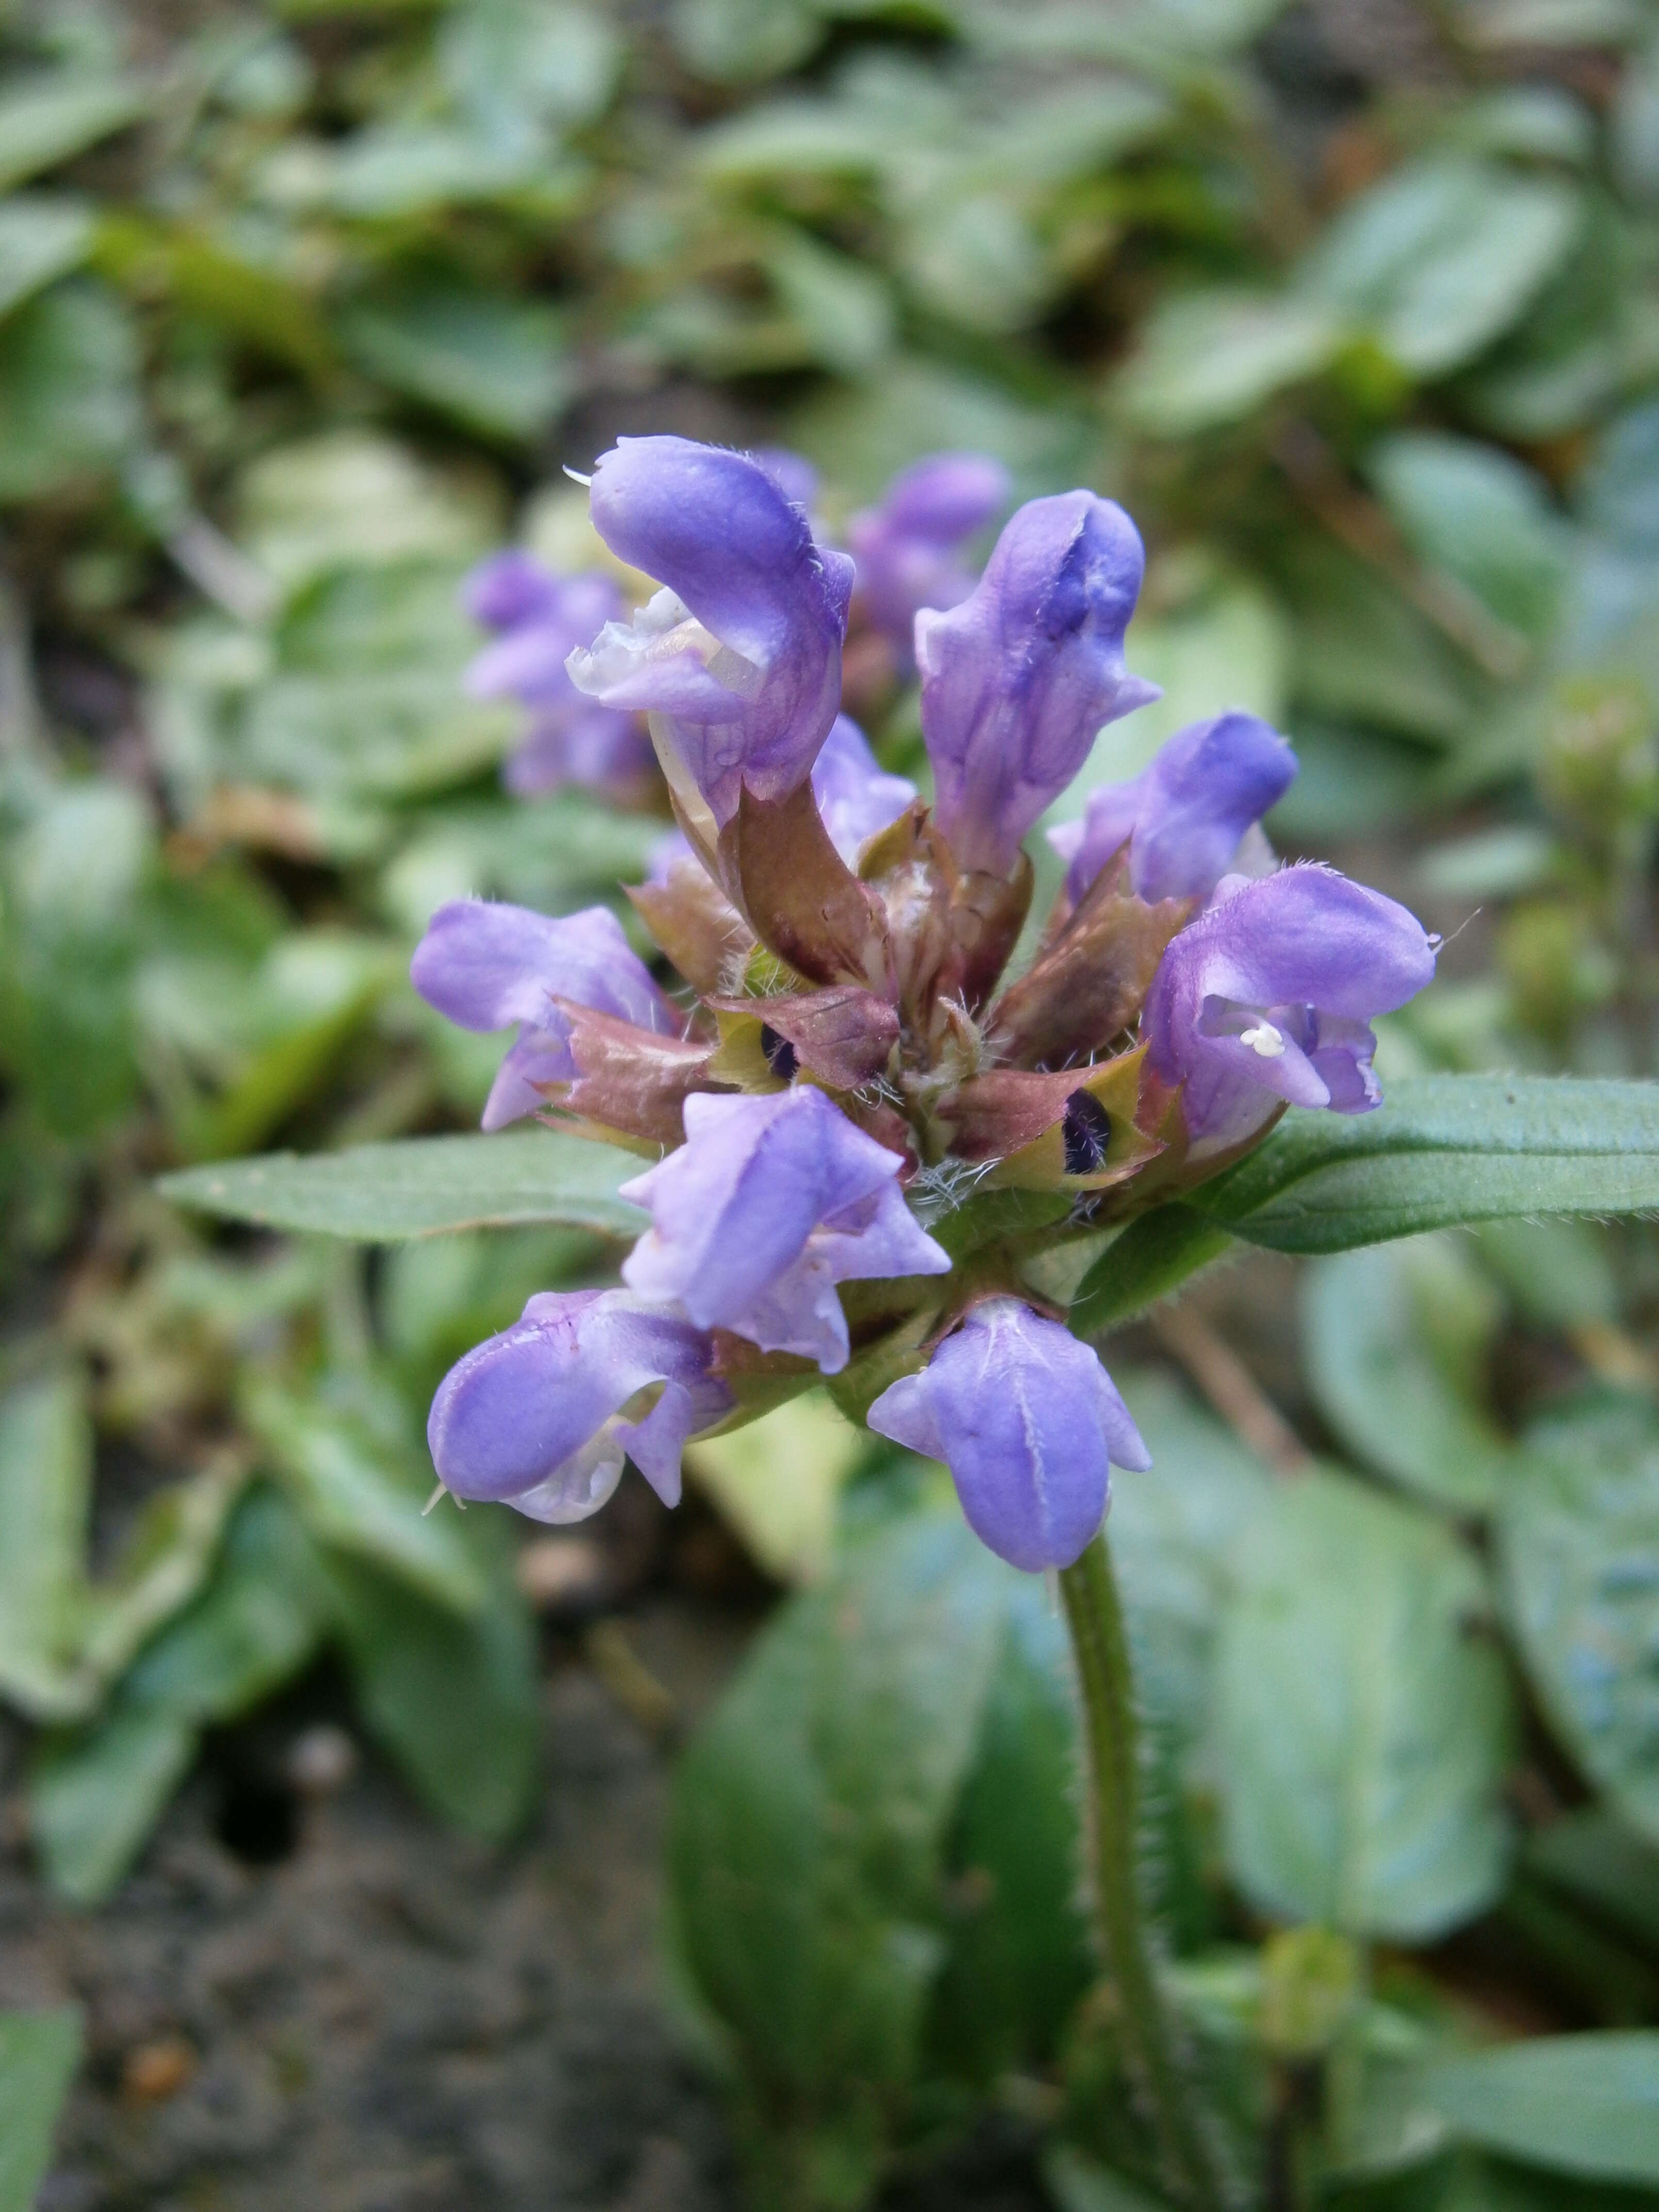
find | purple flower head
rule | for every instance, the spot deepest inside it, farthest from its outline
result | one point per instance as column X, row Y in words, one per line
column 738, row 659
column 1269, row 995
column 486, row 965
column 1184, row 816
column 534, row 1415
column 1017, row 681
column 855, row 797
column 1029, row 1423
column 907, row 548
column 542, row 619
column 771, row 1202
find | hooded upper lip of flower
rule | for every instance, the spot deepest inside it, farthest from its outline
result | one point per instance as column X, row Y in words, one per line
column 486, row 965
column 771, row 1201
column 1272, row 990
column 1017, row 681
column 1028, row 1421
column 739, row 661
column 1183, row 817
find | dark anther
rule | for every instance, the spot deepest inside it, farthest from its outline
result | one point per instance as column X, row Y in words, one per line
column 1085, row 1131
column 780, row 1055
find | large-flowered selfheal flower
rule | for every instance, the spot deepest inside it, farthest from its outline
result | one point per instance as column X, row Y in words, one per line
column 855, row 796
column 540, row 619
column 1185, row 815
column 1029, row 1423
column 486, row 966
column 738, row 661
column 1018, row 680
column 535, row 1415
column 1268, row 996
column 771, row 1202
column 908, row 548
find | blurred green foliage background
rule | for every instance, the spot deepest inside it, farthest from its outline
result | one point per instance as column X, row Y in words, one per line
column 1357, row 307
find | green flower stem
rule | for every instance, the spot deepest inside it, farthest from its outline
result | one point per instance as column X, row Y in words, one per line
column 1185, row 2135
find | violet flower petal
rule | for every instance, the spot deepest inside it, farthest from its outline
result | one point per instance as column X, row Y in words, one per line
column 531, row 1415
column 1269, row 994
column 907, row 548
column 740, row 657
column 484, row 965
column 771, row 1201
column 1018, row 680
column 1186, row 814
column 855, row 797
column 1030, row 1424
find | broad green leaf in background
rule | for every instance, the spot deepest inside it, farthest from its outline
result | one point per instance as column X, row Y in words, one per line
column 348, row 497
column 46, row 1486
column 93, row 1798
column 454, row 1701
column 1362, row 653
column 69, row 395
column 736, row 41
column 1441, row 258
column 806, row 1840
column 1556, row 1272
column 379, row 1194
column 1175, row 1533
column 1397, row 1338
column 1442, row 1150
column 94, row 1794
column 1603, row 1865
column 39, row 2054
column 1020, row 1953
column 518, row 65
column 42, row 236
column 359, row 1484
column 1585, row 2105
column 1363, row 1729
column 778, row 1481
column 492, row 363
column 1579, row 1543
column 1208, row 358
column 1479, row 516
column 48, row 119
column 862, row 435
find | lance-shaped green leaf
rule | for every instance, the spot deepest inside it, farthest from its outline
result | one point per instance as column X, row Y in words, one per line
column 1579, row 2104
column 379, row 1194
column 1440, row 1150
column 1152, row 1257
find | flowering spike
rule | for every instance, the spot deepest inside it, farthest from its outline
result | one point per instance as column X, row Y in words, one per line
column 1267, row 998
column 1016, row 680
column 1029, row 1423
column 738, row 661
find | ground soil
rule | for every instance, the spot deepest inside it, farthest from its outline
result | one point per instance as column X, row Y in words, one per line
column 389, row 2018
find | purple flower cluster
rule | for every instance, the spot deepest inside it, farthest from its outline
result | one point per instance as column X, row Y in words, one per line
column 540, row 620
column 852, row 1071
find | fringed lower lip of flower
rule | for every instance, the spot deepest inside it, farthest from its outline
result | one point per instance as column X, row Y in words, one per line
column 849, row 1059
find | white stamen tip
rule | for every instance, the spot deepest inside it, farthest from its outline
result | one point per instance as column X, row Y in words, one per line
column 576, row 477
column 1264, row 1040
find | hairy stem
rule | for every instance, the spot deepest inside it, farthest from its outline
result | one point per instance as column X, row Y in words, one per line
column 1151, row 2040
